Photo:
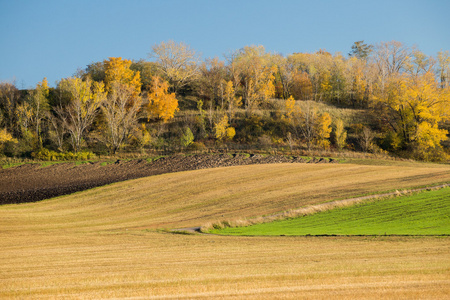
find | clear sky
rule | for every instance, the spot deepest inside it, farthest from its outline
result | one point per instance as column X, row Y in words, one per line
column 54, row 38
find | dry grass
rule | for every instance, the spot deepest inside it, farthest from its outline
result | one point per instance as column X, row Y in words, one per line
column 104, row 243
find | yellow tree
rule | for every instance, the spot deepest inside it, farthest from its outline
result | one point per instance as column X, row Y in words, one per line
column 86, row 98
column 231, row 99
column 340, row 135
column 117, row 70
column 162, row 104
column 313, row 127
column 414, row 106
column 5, row 136
column 223, row 130
column 322, row 131
column 38, row 100
column 256, row 72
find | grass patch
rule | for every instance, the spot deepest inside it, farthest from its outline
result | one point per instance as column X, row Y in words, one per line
column 425, row 213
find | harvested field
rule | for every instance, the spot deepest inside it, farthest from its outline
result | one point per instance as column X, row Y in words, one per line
column 107, row 242
column 31, row 182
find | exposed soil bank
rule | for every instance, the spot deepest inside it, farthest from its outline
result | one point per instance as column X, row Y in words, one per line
column 31, row 182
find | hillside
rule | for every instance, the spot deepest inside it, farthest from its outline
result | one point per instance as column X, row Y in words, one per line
column 110, row 242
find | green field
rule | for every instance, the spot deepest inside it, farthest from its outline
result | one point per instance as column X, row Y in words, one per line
column 426, row 213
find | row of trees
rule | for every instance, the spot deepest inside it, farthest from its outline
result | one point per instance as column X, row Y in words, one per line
column 117, row 101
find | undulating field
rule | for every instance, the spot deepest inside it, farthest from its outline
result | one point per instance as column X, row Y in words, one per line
column 427, row 213
column 108, row 243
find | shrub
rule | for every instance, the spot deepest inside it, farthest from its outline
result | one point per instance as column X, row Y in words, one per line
column 49, row 155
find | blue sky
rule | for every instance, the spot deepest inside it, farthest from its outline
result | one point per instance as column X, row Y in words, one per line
column 54, row 38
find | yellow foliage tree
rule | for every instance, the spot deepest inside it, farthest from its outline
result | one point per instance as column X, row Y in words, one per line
column 414, row 107
column 5, row 136
column 86, row 97
column 231, row 99
column 323, row 130
column 340, row 135
column 117, row 70
column 290, row 108
column 223, row 130
column 162, row 104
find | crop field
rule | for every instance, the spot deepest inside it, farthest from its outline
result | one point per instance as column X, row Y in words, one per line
column 111, row 242
column 426, row 213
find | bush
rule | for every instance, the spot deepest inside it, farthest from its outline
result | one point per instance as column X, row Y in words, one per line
column 49, row 155
column 197, row 146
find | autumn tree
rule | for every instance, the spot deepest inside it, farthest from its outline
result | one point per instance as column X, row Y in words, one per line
column 117, row 70
column 5, row 137
column 178, row 62
column 231, row 99
column 419, row 63
column 86, row 99
column 390, row 58
column 9, row 100
column 443, row 68
column 256, row 72
column 210, row 83
column 120, row 112
column 222, row 129
column 161, row 103
column 313, row 127
column 322, row 131
column 340, row 134
column 414, row 106
column 38, row 103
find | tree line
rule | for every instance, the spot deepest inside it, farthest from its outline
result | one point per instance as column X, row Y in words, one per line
column 250, row 97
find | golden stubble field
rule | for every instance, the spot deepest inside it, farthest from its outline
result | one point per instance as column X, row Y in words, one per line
column 105, row 242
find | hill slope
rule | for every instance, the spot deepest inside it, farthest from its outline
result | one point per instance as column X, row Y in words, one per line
column 104, row 242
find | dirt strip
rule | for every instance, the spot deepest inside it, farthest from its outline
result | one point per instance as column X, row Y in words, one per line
column 31, row 182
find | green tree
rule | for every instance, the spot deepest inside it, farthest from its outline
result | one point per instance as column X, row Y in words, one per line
column 187, row 138
column 360, row 50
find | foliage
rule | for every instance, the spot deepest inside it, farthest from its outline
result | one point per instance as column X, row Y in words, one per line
column 398, row 92
column 187, row 138
column 5, row 137
column 414, row 106
column 340, row 134
column 120, row 113
column 223, row 131
column 117, row 70
column 49, row 155
column 86, row 98
column 162, row 104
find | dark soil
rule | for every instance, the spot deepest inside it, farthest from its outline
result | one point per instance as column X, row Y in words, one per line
column 32, row 182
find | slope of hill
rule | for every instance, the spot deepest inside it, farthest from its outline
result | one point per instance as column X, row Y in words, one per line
column 107, row 242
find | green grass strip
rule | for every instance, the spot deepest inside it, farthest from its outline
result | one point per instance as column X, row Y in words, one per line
column 426, row 213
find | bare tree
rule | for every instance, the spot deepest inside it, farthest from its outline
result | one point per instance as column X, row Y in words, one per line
column 57, row 129
column 366, row 138
column 390, row 58
column 178, row 62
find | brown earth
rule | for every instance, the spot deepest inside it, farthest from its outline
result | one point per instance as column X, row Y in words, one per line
column 32, row 182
